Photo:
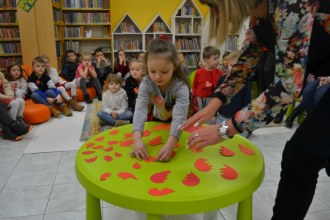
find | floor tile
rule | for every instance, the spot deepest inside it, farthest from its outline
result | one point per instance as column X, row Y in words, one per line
column 68, row 156
column 34, row 217
column 115, row 213
column 9, row 157
column 66, row 198
column 66, row 173
column 32, row 175
column 5, row 173
column 214, row 215
column 40, row 158
column 75, row 215
column 323, row 215
column 24, row 201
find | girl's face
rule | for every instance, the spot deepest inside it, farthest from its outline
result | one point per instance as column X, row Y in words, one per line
column 121, row 55
column 160, row 70
column 47, row 63
column 99, row 55
column 39, row 68
column 15, row 72
column 141, row 56
column 87, row 60
column 136, row 70
column 113, row 87
column 71, row 57
column 225, row 61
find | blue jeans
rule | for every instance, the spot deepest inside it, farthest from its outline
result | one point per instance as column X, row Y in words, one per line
column 107, row 118
column 40, row 100
column 312, row 95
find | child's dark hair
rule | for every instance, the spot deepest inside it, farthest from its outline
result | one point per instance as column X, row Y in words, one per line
column 97, row 50
column 38, row 59
column 116, row 63
column 209, row 51
column 225, row 54
column 69, row 51
column 7, row 72
column 112, row 78
column 168, row 49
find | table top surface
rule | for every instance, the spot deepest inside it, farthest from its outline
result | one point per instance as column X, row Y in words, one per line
column 191, row 182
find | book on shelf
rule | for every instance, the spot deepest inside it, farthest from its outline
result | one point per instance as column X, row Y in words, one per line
column 10, row 47
column 83, row 4
column 71, row 45
column 8, row 17
column 9, row 33
column 6, row 61
column 86, row 17
column 128, row 44
column 7, row 3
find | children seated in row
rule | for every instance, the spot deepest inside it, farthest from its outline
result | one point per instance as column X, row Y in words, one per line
column 62, row 86
column 114, row 103
column 132, row 83
column 86, row 75
column 166, row 87
column 207, row 77
column 14, row 104
column 102, row 65
column 44, row 90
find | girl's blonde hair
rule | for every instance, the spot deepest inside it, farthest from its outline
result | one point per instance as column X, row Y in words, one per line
column 227, row 16
column 233, row 55
column 85, row 54
column 112, row 78
column 141, row 62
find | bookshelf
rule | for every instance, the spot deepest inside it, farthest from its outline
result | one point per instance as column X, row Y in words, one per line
column 157, row 27
column 127, row 36
column 86, row 26
column 187, row 23
column 58, row 29
column 10, row 45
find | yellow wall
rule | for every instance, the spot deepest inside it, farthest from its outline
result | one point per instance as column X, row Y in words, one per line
column 143, row 11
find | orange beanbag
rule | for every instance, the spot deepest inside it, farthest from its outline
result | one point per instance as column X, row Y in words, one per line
column 91, row 91
column 35, row 113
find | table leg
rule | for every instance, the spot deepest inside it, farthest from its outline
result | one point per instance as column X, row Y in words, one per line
column 244, row 210
column 153, row 217
column 93, row 207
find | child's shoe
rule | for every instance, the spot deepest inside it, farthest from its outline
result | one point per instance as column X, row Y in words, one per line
column 88, row 99
column 8, row 134
column 75, row 98
column 18, row 128
column 121, row 123
column 54, row 112
column 75, row 105
column 65, row 110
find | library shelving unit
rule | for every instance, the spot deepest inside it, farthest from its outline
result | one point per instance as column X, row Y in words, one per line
column 156, row 28
column 127, row 36
column 10, row 46
column 187, row 24
column 86, row 26
column 58, row 24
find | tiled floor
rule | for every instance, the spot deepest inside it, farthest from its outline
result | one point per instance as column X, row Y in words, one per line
column 43, row 186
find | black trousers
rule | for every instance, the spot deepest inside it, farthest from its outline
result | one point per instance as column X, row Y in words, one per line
column 304, row 155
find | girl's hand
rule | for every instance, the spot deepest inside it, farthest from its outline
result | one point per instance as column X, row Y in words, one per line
column 139, row 150
column 202, row 116
column 50, row 100
column 165, row 154
column 323, row 81
column 204, row 137
column 114, row 115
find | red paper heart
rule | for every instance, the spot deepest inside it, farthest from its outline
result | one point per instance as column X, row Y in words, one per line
column 161, row 127
column 113, row 131
column 88, row 145
column 192, row 128
column 146, row 133
column 162, row 192
column 126, row 143
column 202, row 165
column 226, row 152
column 108, row 158
column 136, row 165
column 108, row 149
column 191, row 180
column 99, row 138
column 228, row 173
column 113, row 142
column 98, row 147
column 118, row 154
column 160, row 177
column 88, row 152
column 128, row 135
column 150, row 159
column 246, row 150
column 156, row 141
column 91, row 160
column 126, row 175
column 105, row 176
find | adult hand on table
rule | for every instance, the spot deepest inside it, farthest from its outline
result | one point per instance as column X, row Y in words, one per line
column 205, row 136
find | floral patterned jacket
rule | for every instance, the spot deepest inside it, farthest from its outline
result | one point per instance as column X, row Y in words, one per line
column 293, row 22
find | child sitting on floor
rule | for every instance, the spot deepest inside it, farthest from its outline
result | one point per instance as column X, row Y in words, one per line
column 17, row 81
column 114, row 103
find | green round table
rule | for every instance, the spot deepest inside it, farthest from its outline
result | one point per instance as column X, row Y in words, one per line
column 191, row 182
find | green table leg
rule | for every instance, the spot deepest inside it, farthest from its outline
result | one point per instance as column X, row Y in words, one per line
column 244, row 210
column 93, row 207
column 153, row 217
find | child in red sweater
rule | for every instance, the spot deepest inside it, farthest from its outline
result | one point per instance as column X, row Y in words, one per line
column 206, row 78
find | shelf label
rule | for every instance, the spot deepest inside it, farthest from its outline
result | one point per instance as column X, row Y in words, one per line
column 26, row 5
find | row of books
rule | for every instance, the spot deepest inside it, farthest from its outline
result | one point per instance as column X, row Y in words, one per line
column 191, row 59
column 76, row 31
column 86, row 17
column 12, row 47
column 187, row 10
column 6, row 61
column 128, row 44
column 83, row 3
column 57, row 15
column 71, row 45
column 127, row 28
column 7, row 3
column 231, row 43
column 187, row 43
column 8, row 17
column 158, row 27
column 184, row 27
column 9, row 33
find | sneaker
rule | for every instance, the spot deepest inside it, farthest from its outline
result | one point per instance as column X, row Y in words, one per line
column 54, row 112
column 65, row 110
column 9, row 134
column 121, row 123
